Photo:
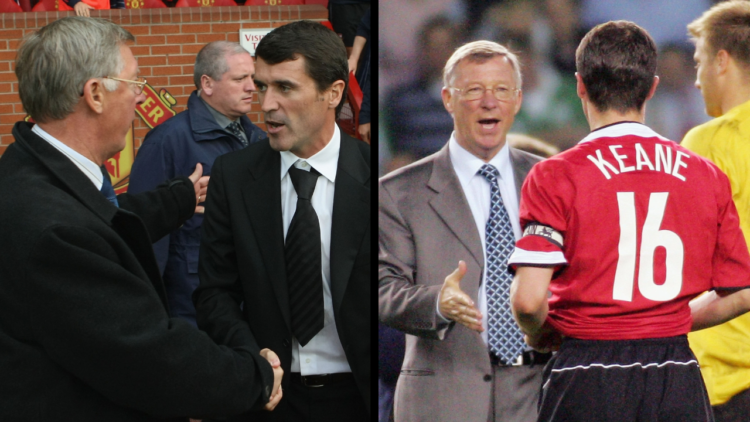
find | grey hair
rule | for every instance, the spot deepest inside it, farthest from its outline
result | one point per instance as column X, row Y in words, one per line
column 54, row 63
column 212, row 60
column 480, row 51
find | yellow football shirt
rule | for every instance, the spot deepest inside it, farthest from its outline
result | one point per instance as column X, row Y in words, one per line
column 724, row 351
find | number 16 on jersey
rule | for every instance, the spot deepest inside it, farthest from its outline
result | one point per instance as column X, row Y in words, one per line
column 651, row 238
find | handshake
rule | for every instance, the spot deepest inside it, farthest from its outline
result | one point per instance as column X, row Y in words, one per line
column 276, row 394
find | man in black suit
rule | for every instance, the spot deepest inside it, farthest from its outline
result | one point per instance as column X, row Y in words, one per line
column 85, row 331
column 265, row 283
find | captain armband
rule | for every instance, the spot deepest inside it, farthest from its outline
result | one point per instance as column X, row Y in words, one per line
column 537, row 229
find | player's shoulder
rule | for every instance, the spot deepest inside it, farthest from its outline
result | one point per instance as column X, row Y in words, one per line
column 416, row 170
column 700, row 137
column 416, row 173
column 560, row 162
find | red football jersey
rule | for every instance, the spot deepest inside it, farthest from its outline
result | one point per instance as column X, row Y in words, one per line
column 644, row 226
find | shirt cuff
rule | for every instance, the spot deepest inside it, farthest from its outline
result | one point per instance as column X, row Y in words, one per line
column 437, row 311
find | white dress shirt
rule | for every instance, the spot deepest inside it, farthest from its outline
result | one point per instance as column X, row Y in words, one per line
column 477, row 191
column 88, row 167
column 324, row 354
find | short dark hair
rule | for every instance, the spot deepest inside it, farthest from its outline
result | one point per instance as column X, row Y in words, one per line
column 617, row 63
column 324, row 53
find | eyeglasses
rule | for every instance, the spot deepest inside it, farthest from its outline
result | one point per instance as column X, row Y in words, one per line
column 139, row 83
column 475, row 92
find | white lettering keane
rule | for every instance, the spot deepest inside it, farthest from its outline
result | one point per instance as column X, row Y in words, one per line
column 641, row 158
column 601, row 163
column 678, row 163
column 666, row 159
column 619, row 158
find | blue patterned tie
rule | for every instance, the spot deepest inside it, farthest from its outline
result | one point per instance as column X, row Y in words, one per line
column 107, row 190
column 504, row 337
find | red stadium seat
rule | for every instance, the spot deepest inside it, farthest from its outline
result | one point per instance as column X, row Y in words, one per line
column 327, row 24
column 273, row 2
column 204, row 3
column 51, row 6
column 9, row 6
column 349, row 117
column 144, row 4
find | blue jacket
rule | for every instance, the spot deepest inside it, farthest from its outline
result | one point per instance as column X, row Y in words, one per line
column 169, row 150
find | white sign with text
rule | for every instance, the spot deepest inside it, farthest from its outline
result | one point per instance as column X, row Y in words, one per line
column 249, row 38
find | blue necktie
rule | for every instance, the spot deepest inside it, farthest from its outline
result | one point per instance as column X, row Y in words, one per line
column 107, row 190
column 504, row 337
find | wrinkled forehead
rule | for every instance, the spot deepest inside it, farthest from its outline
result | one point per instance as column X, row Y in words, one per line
column 483, row 66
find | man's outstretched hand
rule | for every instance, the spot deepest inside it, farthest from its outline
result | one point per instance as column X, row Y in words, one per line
column 455, row 304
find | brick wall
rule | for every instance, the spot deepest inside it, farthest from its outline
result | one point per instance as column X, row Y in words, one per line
column 167, row 41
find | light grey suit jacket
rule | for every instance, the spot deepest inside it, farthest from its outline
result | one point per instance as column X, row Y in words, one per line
column 426, row 227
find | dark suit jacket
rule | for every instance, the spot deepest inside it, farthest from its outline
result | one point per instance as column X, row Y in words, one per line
column 243, row 296
column 85, row 333
column 425, row 228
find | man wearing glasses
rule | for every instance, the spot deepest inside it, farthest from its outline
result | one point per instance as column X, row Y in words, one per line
column 85, row 332
column 214, row 124
column 448, row 224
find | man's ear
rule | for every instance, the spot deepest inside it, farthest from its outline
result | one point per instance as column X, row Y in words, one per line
column 653, row 88
column 721, row 61
column 519, row 102
column 447, row 96
column 336, row 93
column 93, row 95
column 580, row 87
column 207, row 85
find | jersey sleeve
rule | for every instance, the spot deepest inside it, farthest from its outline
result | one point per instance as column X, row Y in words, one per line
column 731, row 260
column 543, row 212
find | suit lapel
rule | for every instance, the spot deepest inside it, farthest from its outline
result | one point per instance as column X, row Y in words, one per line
column 451, row 206
column 262, row 196
column 521, row 167
column 351, row 205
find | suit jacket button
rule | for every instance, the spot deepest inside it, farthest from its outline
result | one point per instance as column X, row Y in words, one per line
column 488, row 377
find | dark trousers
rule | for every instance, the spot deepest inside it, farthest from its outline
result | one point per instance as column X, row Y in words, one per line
column 345, row 19
column 737, row 409
column 336, row 402
column 651, row 380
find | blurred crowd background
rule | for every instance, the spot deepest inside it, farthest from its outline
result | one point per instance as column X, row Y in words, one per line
column 416, row 38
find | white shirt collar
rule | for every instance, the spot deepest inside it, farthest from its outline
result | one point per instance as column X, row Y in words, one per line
column 622, row 129
column 88, row 167
column 324, row 161
column 469, row 164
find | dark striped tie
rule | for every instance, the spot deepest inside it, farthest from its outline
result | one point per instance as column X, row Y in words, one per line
column 303, row 266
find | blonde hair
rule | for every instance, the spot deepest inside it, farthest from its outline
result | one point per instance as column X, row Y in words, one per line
column 480, row 51
column 725, row 26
